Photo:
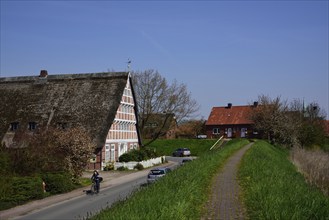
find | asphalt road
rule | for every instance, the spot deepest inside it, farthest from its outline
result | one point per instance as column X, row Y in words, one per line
column 88, row 205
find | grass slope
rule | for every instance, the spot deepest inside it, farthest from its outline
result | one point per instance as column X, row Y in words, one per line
column 273, row 189
column 197, row 146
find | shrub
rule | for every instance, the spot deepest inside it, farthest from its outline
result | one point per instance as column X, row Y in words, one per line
column 127, row 157
column 139, row 166
column 122, row 168
column 58, row 182
column 4, row 160
column 109, row 166
column 138, row 155
column 18, row 190
column 27, row 188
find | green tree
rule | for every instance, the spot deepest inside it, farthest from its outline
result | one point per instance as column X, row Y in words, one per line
column 313, row 130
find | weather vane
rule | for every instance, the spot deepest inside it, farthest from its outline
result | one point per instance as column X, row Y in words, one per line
column 128, row 64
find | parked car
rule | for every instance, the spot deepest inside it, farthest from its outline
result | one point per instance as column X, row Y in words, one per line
column 182, row 152
column 157, row 173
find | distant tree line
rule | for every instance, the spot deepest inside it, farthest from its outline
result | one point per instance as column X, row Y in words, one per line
column 290, row 124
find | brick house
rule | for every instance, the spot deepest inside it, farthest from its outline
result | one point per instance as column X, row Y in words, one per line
column 231, row 121
column 102, row 103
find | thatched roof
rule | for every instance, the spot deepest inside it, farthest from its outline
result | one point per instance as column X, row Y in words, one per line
column 87, row 100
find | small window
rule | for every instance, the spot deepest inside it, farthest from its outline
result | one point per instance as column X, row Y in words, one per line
column 32, row 126
column 215, row 131
column 62, row 125
column 14, row 126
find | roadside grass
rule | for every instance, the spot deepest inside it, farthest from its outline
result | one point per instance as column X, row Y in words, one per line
column 314, row 165
column 273, row 189
column 182, row 194
column 83, row 181
column 196, row 146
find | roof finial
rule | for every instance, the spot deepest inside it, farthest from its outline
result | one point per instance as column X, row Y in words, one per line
column 128, row 64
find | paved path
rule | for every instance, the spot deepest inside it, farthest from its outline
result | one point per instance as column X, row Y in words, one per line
column 224, row 202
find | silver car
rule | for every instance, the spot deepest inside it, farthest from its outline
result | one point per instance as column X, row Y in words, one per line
column 155, row 174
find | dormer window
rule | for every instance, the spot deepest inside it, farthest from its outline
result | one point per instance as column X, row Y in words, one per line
column 14, row 126
column 62, row 125
column 32, row 126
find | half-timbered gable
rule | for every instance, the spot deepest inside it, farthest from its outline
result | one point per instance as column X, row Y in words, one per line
column 123, row 134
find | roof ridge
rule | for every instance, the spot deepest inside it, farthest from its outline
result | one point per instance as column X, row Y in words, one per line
column 64, row 76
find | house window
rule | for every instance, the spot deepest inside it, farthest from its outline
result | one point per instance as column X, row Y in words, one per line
column 14, row 126
column 112, row 157
column 32, row 126
column 215, row 130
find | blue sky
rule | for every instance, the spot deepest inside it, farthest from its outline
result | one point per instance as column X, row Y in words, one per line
column 224, row 51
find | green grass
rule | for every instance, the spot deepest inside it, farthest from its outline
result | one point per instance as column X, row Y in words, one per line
column 83, row 181
column 167, row 147
column 273, row 189
column 182, row 194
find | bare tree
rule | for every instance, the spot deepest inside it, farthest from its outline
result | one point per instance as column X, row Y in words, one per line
column 286, row 124
column 155, row 95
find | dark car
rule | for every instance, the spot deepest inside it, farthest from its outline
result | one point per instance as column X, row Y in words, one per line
column 155, row 174
column 182, row 152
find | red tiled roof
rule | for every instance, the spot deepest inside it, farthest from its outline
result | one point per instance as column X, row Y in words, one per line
column 230, row 116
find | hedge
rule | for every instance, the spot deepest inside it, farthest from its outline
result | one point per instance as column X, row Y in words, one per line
column 18, row 190
column 58, row 182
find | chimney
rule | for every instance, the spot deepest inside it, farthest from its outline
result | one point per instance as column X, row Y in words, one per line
column 255, row 104
column 43, row 73
column 229, row 105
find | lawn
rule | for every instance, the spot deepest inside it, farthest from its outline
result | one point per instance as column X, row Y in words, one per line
column 197, row 146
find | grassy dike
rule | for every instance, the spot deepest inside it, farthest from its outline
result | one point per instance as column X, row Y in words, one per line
column 179, row 195
column 273, row 189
